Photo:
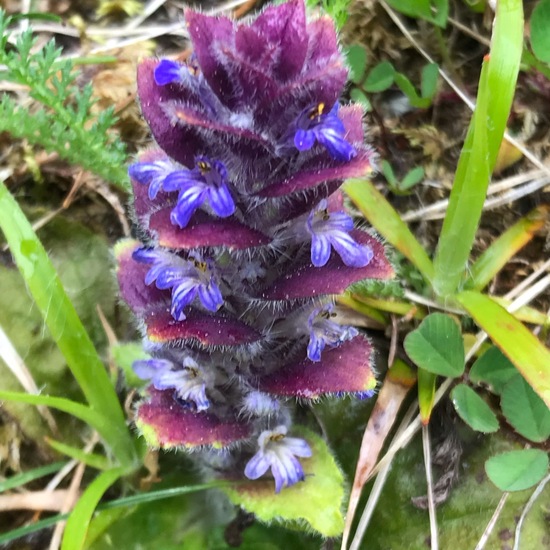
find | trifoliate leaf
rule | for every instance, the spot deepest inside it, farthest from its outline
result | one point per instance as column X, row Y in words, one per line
column 436, row 346
column 517, row 470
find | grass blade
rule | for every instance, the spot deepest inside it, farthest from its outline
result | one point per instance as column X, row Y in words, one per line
column 79, row 520
column 65, row 326
column 78, row 410
column 385, row 219
column 478, row 157
column 27, row 477
column 134, row 500
column 524, row 350
column 507, row 245
column 90, row 459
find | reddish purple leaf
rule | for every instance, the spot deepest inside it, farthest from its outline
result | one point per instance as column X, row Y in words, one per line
column 307, row 281
column 167, row 424
column 347, row 368
column 208, row 330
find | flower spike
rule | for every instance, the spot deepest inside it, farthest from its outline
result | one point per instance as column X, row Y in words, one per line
column 246, row 242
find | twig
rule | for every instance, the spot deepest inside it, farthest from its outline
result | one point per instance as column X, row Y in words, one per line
column 469, row 31
column 528, row 506
column 434, row 539
column 49, row 501
column 68, row 502
column 492, row 522
column 518, row 289
column 537, row 180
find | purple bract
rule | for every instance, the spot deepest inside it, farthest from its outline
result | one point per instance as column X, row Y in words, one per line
column 245, row 241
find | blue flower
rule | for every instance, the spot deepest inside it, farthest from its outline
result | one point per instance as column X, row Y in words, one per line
column 189, row 383
column 278, row 452
column 313, row 125
column 323, row 331
column 332, row 229
column 206, row 182
column 152, row 174
column 167, row 72
column 187, row 279
column 257, row 403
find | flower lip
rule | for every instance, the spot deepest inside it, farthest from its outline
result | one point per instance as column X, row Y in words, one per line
column 188, row 279
column 206, row 182
column 331, row 230
column 152, row 174
column 189, row 384
column 323, row 332
column 167, row 72
column 313, row 125
column 278, row 453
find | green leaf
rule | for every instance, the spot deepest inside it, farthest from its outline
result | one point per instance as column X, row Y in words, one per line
column 423, row 9
column 79, row 520
column 359, row 96
column 413, row 8
column 90, row 459
column 86, row 414
column 317, row 501
column 437, row 346
column 494, row 369
column 473, row 410
column 479, row 153
column 518, row 343
column 356, row 56
column 525, row 410
column 380, row 77
column 428, row 81
column 27, row 477
column 65, row 326
column 387, row 221
column 407, row 87
column 540, row 30
column 389, row 174
column 517, row 470
column 501, row 250
column 412, row 177
column 426, row 394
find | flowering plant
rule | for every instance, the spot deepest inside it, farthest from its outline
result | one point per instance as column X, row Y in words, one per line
column 246, row 241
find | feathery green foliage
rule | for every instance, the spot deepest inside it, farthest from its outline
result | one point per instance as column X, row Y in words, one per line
column 63, row 121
